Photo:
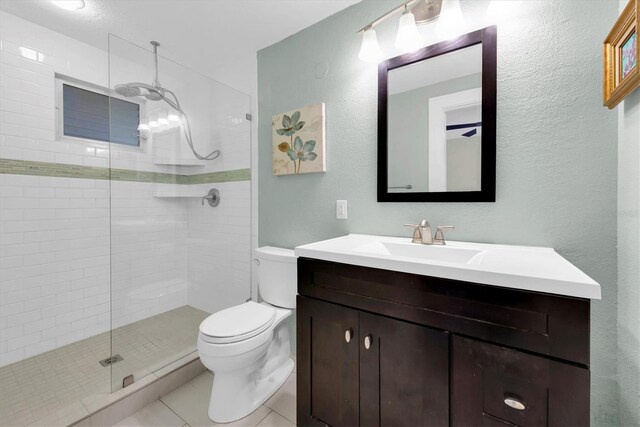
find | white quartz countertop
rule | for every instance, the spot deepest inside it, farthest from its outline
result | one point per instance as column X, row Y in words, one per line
column 517, row 267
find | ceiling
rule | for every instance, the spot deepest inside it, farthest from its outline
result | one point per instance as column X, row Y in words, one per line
column 219, row 38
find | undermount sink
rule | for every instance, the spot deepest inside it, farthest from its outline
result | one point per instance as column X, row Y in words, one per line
column 423, row 252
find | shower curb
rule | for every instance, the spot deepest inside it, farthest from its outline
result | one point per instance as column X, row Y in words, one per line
column 109, row 409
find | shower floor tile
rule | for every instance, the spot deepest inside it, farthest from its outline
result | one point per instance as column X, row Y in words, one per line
column 55, row 388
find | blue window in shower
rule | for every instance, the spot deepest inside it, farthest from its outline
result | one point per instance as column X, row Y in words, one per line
column 86, row 115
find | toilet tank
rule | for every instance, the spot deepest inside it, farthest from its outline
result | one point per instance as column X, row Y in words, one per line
column 277, row 276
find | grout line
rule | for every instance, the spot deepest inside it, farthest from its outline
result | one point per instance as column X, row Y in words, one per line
column 267, row 414
column 183, row 420
column 282, row 415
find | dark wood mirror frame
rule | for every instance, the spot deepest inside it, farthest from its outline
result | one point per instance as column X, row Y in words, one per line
column 487, row 37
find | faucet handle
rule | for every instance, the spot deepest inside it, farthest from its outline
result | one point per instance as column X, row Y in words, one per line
column 417, row 234
column 438, row 238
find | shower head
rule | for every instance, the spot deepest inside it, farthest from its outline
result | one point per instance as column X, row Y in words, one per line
column 155, row 92
column 140, row 89
column 128, row 90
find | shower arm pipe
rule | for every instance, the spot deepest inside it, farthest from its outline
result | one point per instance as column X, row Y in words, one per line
column 156, row 81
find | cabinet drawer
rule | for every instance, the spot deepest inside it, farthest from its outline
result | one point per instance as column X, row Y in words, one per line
column 493, row 385
column 547, row 324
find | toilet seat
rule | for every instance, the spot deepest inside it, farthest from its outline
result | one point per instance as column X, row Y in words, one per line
column 237, row 323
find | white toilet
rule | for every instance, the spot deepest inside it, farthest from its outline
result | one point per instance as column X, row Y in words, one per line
column 247, row 346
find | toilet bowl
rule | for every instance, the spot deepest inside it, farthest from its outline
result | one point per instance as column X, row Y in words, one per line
column 247, row 346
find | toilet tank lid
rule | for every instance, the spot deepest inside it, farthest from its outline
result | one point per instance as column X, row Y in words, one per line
column 272, row 253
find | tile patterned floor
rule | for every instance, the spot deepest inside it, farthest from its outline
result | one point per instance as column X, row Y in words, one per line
column 187, row 406
column 53, row 388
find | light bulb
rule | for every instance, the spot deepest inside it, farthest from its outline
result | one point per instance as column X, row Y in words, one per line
column 143, row 126
column 153, row 124
column 370, row 50
column 163, row 121
column 69, row 4
column 173, row 117
column 451, row 22
column 408, row 38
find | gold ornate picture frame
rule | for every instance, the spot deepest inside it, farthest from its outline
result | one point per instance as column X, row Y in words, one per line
column 621, row 51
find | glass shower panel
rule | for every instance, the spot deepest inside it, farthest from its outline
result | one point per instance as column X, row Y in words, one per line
column 175, row 259
column 54, row 227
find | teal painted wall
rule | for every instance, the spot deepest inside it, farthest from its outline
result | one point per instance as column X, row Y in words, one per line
column 629, row 260
column 556, row 149
column 629, row 257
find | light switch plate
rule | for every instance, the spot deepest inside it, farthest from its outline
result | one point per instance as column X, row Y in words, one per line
column 341, row 209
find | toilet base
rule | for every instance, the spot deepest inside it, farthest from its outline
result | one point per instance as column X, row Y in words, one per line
column 247, row 376
column 232, row 400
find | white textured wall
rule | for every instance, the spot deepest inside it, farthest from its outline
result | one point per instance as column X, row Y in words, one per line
column 556, row 148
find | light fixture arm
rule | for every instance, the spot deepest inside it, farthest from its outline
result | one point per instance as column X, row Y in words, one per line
column 384, row 17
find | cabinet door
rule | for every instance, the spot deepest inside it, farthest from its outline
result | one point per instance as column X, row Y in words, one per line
column 404, row 374
column 327, row 364
column 498, row 386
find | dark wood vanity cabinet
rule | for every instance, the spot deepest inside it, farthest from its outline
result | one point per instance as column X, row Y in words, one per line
column 382, row 348
column 400, row 376
column 484, row 376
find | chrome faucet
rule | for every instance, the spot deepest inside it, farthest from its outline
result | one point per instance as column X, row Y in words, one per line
column 422, row 233
column 438, row 239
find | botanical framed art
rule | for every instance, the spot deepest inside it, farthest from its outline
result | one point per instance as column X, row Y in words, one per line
column 299, row 141
column 621, row 51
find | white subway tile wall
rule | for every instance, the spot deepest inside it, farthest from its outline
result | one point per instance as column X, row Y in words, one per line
column 54, row 263
column 219, row 272
column 79, row 256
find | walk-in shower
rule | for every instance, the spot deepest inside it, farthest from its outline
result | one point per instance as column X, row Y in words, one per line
column 155, row 92
column 107, row 253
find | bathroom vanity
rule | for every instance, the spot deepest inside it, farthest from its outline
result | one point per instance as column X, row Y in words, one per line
column 391, row 332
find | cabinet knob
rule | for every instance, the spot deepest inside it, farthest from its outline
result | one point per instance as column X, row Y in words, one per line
column 367, row 341
column 348, row 335
column 514, row 402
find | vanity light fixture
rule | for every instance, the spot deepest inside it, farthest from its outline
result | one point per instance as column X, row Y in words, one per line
column 451, row 22
column 69, row 4
column 408, row 38
column 370, row 50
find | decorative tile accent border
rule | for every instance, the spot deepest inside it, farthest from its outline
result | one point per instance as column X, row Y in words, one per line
column 223, row 176
column 59, row 170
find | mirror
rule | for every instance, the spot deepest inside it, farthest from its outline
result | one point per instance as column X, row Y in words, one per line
column 436, row 122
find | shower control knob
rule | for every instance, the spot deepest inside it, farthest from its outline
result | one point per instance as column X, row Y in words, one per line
column 348, row 335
